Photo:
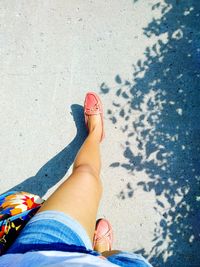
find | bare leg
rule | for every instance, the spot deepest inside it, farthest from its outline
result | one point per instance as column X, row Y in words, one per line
column 80, row 194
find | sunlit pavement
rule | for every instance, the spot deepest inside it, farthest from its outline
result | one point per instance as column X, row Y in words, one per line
column 143, row 57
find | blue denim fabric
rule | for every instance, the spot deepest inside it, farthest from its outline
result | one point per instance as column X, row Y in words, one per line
column 53, row 230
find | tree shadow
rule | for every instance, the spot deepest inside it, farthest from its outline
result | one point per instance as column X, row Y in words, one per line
column 159, row 113
column 55, row 169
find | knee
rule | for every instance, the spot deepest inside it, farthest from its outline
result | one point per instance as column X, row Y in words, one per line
column 90, row 176
column 86, row 168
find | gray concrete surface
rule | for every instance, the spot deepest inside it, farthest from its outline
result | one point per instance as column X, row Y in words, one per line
column 144, row 59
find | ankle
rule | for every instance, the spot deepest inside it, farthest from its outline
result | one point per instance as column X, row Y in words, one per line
column 95, row 124
column 94, row 127
column 95, row 134
column 101, row 248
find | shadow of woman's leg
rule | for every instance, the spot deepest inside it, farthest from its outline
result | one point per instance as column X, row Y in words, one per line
column 56, row 168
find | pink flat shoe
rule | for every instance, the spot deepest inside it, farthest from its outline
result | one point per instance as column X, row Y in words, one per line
column 103, row 233
column 93, row 106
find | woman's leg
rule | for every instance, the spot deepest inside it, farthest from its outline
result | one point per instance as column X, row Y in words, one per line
column 80, row 194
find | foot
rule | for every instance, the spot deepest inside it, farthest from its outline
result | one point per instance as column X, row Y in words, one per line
column 94, row 115
column 103, row 237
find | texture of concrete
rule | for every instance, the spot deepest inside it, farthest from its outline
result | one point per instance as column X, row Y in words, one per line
column 144, row 59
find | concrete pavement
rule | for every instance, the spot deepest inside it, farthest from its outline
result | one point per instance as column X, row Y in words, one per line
column 52, row 53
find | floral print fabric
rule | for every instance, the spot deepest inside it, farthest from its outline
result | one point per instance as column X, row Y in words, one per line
column 16, row 209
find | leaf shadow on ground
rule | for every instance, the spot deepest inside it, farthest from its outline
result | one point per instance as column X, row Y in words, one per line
column 159, row 114
column 56, row 168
